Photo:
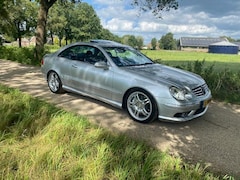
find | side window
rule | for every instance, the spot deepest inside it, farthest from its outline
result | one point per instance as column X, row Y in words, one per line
column 73, row 53
column 93, row 55
column 84, row 53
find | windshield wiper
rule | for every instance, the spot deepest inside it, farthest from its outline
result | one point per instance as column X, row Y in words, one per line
column 138, row 64
column 144, row 64
column 148, row 63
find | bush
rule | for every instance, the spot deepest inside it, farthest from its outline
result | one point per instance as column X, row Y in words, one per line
column 24, row 55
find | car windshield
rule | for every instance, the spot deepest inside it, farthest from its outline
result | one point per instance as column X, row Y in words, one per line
column 125, row 56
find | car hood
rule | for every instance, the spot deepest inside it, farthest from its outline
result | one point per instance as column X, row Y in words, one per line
column 167, row 75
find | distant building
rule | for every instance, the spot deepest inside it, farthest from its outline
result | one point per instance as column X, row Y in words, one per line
column 198, row 43
column 223, row 47
column 27, row 41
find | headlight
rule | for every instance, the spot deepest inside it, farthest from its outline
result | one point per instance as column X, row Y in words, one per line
column 180, row 94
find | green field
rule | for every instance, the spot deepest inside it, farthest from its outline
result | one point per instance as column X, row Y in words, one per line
column 179, row 58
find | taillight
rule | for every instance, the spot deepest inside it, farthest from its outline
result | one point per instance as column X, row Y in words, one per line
column 42, row 62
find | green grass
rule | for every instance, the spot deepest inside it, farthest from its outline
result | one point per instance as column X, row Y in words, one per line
column 179, row 58
column 40, row 141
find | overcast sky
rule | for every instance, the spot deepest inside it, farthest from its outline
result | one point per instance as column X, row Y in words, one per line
column 198, row 18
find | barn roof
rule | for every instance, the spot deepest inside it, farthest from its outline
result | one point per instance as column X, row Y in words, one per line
column 199, row 41
column 223, row 43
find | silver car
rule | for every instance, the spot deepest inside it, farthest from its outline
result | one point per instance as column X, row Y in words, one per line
column 123, row 77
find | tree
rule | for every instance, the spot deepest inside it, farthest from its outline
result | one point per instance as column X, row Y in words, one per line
column 85, row 24
column 106, row 34
column 57, row 21
column 20, row 19
column 167, row 42
column 136, row 42
column 44, row 6
column 154, row 43
column 3, row 9
column 156, row 6
column 76, row 23
column 139, row 42
column 228, row 38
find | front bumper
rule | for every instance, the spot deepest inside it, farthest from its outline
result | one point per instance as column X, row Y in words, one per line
column 182, row 113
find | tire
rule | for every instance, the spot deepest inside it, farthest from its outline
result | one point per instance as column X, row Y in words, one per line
column 141, row 106
column 54, row 83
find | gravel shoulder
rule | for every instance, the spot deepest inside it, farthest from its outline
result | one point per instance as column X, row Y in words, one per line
column 213, row 139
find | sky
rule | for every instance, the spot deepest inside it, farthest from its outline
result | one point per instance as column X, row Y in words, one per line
column 194, row 18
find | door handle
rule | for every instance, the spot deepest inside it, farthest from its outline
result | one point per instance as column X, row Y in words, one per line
column 74, row 65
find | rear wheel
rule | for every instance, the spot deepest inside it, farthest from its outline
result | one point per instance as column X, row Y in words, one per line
column 54, row 83
column 141, row 106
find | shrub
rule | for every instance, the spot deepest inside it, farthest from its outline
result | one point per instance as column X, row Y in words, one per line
column 24, row 55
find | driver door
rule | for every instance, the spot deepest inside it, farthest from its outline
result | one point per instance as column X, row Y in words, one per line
column 90, row 79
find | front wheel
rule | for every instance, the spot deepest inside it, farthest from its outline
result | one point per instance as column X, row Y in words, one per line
column 54, row 83
column 141, row 106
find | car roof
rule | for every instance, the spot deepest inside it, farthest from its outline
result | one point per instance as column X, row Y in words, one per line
column 96, row 42
column 104, row 43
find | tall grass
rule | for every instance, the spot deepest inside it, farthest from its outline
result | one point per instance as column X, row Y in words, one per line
column 39, row 141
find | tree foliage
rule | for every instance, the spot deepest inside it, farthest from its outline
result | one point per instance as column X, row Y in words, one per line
column 78, row 26
column 154, row 43
column 77, row 22
column 167, row 42
column 85, row 24
column 57, row 21
column 3, row 9
column 20, row 20
column 133, row 41
column 156, row 6
column 106, row 34
column 139, row 42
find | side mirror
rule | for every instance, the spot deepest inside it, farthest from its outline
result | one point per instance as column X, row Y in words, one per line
column 101, row 64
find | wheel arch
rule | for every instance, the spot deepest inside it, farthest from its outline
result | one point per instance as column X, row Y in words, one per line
column 50, row 72
column 124, row 101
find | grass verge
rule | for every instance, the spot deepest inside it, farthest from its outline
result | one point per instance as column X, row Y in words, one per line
column 40, row 141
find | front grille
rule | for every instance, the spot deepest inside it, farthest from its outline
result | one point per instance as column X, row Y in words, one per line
column 200, row 90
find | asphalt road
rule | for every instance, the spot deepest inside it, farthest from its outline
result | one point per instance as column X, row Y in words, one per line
column 213, row 139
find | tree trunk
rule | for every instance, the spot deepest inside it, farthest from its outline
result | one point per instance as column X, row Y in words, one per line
column 41, row 27
column 19, row 35
column 40, row 31
column 51, row 34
